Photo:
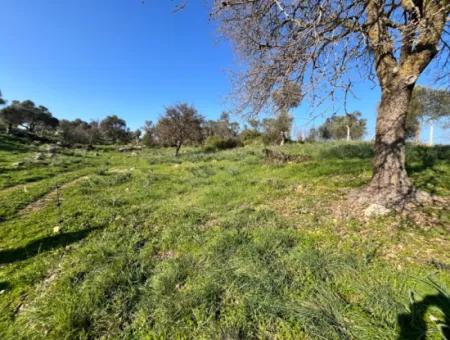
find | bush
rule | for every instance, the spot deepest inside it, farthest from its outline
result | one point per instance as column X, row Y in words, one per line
column 248, row 137
column 349, row 150
column 426, row 155
column 215, row 143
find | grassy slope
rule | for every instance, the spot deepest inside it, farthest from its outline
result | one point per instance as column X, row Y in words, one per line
column 214, row 245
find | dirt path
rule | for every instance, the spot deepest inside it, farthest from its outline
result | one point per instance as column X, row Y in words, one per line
column 121, row 170
column 22, row 186
column 49, row 197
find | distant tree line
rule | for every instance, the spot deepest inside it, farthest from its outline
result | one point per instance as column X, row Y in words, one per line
column 182, row 124
column 27, row 118
column 427, row 106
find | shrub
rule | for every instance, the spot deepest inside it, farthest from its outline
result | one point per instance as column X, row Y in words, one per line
column 249, row 137
column 426, row 155
column 348, row 150
column 214, row 143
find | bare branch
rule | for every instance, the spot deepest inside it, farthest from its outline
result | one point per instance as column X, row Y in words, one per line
column 323, row 44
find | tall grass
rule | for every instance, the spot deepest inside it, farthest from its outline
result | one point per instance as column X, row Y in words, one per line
column 218, row 245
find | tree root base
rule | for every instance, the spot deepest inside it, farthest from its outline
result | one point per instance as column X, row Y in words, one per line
column 390, row 200
column 368, row 202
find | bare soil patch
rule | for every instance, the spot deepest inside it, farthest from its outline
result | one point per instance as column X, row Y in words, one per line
column 50, row 197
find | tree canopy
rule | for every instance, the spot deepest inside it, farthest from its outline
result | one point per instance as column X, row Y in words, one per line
column 223, row 127
column 341, row 127
column 28, row 116
column 180, row 124
column 79, row 132
column 277, row 130
column 115, row 129
column 427, row 104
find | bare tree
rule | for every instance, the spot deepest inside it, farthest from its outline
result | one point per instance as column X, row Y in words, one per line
column 180, row 124
column 324, row 44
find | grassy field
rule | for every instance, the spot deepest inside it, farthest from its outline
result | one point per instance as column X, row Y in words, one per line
column 215, row 245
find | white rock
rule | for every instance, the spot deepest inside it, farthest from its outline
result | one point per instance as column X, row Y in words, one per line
column 376, row 210
column 423, row 196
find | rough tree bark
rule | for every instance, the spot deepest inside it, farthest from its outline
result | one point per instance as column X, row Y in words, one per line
column 390, row 185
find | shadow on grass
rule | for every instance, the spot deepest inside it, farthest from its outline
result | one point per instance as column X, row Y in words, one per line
column 413, row 324
column 42, row 245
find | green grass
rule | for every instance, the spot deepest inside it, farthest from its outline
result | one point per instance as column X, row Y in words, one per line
column 215, row 245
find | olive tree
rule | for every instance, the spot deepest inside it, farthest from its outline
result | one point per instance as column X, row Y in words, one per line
column 278, row 129
column 350, row 126
column 427, row 106
column 115, row 129
column 326, row 44
column 180, row 124
column 285, row 98
column 29, row 116
column 223, row 128
column 79, row 132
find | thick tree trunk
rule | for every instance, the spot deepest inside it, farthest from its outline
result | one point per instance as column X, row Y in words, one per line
column 390, row 185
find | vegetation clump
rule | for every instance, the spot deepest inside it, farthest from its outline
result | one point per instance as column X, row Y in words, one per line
column 215, row 143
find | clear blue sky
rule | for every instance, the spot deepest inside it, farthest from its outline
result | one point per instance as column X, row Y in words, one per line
column 91, row 58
